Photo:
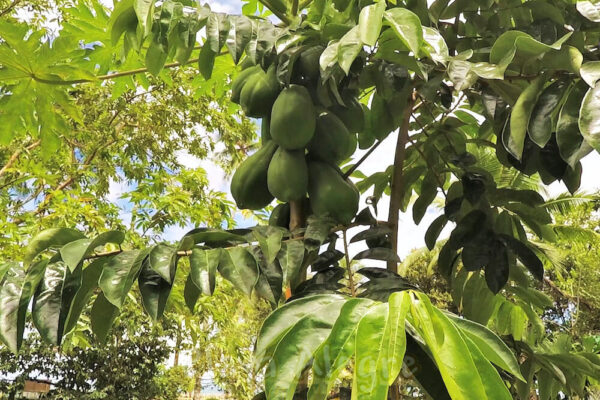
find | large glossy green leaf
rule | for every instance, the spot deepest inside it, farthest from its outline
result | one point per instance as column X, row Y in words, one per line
column 75, row 252
column 589, row 118
column 53, row 299
column 119, row 273
column 270, row 242
column 449, row 350
column 407, row 27
column 590, row 72
column 421, row 367
column 589, row 9
column 54, row 237
column 370, row 370
column 395, row 334
column 348, row 48
column 240, row 34
column 296, row 348
column 162, row 259
column 281, row 320
column 239, row 267
column 514, row 43
column 492, row 347
column 154, row 290
column 492, row 382
column 217, row 30
column 269, row 285
column 370, row 21
column 203, row 269
column 570, row 141
column 15, row 295
column 89, row 282
column 191, row 293
column 103, row 315
column 519, row 117
column 333, row 355
column 540, row 124
column 290, row 257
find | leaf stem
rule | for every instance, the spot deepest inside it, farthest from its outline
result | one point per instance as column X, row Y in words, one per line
column 362, row 159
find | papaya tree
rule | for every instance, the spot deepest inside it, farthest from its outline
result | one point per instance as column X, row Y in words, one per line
column 462, row 87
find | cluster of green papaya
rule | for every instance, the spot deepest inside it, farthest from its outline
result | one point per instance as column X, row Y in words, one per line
column 303, row 142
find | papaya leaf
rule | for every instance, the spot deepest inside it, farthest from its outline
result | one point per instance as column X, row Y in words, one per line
column 203, row 269
column 589, row 118
column 102, row 317
column 154, row 289
column 240, row 34
column 89, row 282
column 335, row 352
column 53, row 300
column 119, row 273
column 15, row 295
column 75, row 252
column 520, row 115
column 53, row 237
column 239, row 267
column 280, row 321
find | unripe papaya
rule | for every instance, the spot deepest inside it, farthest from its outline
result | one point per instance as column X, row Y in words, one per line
column 331, row 140
column 240, row 80
column 280, row 216
column 331, row 194
column 249, row 183
column 352, row 116
column 259, row 93
column 309, row 63
column 287, row 177
column 293, row 118
column 265, row 130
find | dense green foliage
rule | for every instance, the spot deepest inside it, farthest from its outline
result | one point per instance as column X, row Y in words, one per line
column 488, row 98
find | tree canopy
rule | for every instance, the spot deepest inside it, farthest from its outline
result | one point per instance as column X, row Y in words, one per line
column 486, row 99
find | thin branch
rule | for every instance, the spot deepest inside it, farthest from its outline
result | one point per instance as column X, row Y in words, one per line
column 10, row 8
column 13, row 158
column 362, row 159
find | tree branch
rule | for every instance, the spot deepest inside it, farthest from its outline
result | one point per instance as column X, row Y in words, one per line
column 14, row 157
column 398, row 180
column 10, row 8
column 362, row 159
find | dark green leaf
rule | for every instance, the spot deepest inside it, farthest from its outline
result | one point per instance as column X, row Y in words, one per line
column 525, row 255
column 434, row 230
column 89, row 282
column 239, row 36
column 239, row 267
column 154, row 290
column 375, row 232
column 290, row 257
column 162, row 261
column 53, row 299
column 103, row 315
column 119, row 274
column 520, row 115
column 204, row 264
column 570, row 141
column 75, row 252
column 54, row 237
column 206, row 61
column 191, row 293
column 378, row 253
column 540, row 123
column 497, row 270
column 15, row 295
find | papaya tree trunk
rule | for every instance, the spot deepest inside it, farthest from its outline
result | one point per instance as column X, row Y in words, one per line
column 398, row 181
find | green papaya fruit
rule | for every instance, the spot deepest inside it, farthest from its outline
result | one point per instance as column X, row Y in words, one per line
column 240, row 80
column 265, row 130
column 352, row 116
column 331, row 140
column 293, row 118
column 331, row 194
column 287, row 177
column 352, row 143
column 280, row 216
column 259, row 93
column 308, row 62
column 249, row 183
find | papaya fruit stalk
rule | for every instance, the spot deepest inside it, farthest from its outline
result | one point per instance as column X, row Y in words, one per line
column 398, row 179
